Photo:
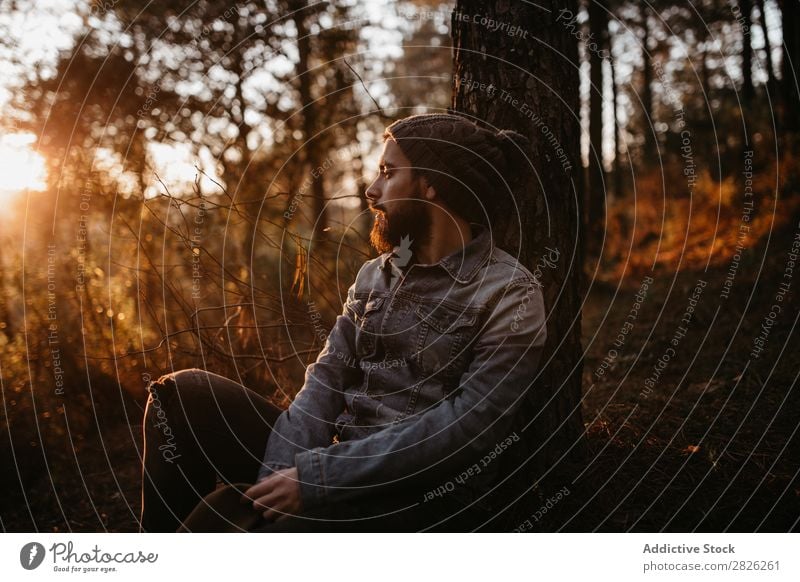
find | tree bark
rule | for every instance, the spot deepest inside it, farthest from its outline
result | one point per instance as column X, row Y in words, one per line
column 790, row 15
column 312, row 146
column 746, row 7
column 647, row 91
column 530, row 84
column 771, row 82
column 618, row 192
column 596, row 191
column 5, row 313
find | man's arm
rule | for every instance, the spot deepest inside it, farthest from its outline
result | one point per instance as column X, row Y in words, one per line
column 451, row 436
column 310, row 419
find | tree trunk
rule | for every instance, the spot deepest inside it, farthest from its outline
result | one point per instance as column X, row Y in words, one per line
column 746, row 7
column 623, row 222
column 534, row 90
column 596, row 203
column 6, row 325
column 790, row 15
column 617, row 130
column 312, row 145
column 647, row 92
column 596, row 191
column 771, row 83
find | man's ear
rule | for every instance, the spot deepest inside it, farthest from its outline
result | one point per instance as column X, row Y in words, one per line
column 427, row 190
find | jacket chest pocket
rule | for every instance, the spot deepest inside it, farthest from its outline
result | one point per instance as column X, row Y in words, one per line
column 444, row 334
column 367, row 314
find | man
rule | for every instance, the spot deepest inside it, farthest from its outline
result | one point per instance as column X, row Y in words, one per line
column 402, row 418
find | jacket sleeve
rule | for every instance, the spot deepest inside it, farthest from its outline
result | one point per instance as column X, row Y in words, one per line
column 451, row 436
column 310, row 419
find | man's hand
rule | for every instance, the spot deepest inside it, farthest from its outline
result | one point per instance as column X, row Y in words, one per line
column 278, row 495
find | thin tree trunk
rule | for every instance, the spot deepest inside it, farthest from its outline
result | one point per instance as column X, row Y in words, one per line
column 535, row 91
column 623, row 223
column 312, row 145
column 790, row 67
column 746, row 7
column 617, row 137
column 647, row 91
column 705, row 75
column 6, row 325
column 596, row 191
column 762, row 19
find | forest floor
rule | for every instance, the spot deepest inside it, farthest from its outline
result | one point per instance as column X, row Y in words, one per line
column 706, row 440
column 690, row 427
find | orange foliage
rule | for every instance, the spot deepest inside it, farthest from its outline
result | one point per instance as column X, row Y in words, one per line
column 660, row 226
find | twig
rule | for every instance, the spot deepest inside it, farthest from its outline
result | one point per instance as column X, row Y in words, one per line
column 379, row 108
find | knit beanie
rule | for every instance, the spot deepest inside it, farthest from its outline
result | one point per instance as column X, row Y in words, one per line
column 469, row 166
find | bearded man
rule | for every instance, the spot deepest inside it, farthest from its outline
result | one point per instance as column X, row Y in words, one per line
column 401, row 419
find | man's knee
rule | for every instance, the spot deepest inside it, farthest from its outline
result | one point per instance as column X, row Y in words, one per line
column 184, row 381
column 178, row 388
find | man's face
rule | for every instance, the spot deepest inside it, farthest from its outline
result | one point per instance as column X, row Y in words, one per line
column 397, row 199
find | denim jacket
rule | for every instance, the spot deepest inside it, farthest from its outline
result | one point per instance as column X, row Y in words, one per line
column 418, row 381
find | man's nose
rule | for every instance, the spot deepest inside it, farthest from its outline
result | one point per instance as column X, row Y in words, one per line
column 372, row 193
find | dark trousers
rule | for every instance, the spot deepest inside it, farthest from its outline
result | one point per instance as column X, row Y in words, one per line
column 200, row 427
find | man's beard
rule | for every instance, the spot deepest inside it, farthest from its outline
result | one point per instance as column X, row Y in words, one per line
column 403, row 219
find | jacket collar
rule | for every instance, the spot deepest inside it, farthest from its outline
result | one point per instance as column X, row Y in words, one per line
column 463, row 264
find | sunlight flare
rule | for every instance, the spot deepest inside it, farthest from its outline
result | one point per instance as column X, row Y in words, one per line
column 21, row 168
